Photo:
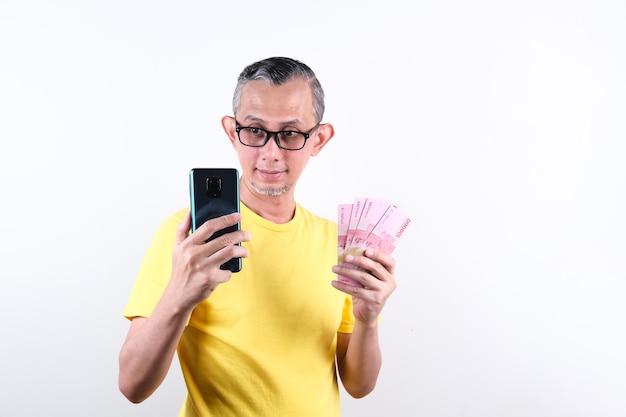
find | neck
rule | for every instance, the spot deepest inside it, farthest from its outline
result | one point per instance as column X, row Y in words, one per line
column 277, row 209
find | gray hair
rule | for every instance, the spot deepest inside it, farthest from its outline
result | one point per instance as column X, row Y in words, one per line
column 277, row 71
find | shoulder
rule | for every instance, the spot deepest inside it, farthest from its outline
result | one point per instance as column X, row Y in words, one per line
column 170, row 223
column 176, row 217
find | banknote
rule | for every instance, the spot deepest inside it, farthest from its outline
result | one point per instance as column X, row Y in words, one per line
column 344, row 219
column 371, row 213
column 368, row 223
column 343, row 224
column 355, row 215
column 388, row 231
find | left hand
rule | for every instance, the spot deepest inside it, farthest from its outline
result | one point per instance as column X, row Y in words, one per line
column 375, row 272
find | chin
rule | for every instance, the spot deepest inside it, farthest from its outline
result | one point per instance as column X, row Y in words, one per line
column 271, row 191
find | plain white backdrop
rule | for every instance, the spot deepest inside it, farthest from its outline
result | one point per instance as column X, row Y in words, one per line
column 497, row 126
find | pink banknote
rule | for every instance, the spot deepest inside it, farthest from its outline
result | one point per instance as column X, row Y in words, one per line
column 343, row 224
column 368, row 223
column 355, row 214
column 372, row 212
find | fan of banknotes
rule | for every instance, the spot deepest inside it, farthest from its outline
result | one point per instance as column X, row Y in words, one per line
column 368, row 223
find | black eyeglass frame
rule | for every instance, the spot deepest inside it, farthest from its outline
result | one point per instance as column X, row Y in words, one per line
column 269, row 134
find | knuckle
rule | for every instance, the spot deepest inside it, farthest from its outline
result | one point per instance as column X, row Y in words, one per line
column 223, row 221
column 226, row 240
column 205, row 229
column 196, row 266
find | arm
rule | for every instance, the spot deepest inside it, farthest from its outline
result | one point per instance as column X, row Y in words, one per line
column 151, row 342
column 358, row 354
column 147, row 353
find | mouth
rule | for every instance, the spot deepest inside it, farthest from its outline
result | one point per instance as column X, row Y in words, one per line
column 269, row 174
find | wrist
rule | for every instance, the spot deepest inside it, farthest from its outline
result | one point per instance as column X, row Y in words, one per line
column 367, row 324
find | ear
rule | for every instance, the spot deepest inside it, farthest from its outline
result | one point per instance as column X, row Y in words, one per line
column 228, row 124
column 325, row 133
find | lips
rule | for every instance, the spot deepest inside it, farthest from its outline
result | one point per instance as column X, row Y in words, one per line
column 269, row 174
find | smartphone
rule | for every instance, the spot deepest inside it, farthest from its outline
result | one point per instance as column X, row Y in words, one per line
column 214, row 192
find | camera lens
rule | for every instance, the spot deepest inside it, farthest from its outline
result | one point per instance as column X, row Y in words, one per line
column 214, row 186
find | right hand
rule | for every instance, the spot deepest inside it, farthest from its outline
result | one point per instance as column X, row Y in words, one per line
column 196, row 263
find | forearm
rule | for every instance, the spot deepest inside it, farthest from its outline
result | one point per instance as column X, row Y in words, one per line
column 147, row 353
column 361, row 363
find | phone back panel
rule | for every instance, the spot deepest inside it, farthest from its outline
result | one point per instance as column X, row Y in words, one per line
column 214, row 192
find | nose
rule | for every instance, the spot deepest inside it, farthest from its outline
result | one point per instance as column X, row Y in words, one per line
column 271, row 148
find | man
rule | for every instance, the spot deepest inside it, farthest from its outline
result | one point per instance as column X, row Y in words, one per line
column 270, row 339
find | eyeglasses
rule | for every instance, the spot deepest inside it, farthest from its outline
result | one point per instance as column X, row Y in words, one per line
column 290, row 140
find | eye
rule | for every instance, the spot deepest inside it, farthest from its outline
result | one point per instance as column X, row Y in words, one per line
column 255, row 131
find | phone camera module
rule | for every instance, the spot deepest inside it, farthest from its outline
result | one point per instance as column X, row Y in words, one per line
column 214, row 186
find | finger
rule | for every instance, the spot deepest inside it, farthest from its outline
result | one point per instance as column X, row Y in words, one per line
column 232, row 238
column 379, row 264
column 207, row 229
column 360, row 275
column 210, row 265
column 182, row 231
column 347, row 288
column 224, row 247
column 229, row 252
column 388, row 261
column 363, row 293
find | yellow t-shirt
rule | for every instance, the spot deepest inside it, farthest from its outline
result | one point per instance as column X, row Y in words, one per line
column 263, row 344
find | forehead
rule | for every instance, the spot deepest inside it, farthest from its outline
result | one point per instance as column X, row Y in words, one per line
column 264, row 101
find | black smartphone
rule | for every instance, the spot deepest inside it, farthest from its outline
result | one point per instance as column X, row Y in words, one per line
column 214, row 192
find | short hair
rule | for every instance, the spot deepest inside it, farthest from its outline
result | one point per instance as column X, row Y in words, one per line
column 277, row 71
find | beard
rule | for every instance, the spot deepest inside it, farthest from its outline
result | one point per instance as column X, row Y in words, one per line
column 271, row 191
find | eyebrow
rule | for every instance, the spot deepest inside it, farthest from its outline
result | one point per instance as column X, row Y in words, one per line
column 293, row 122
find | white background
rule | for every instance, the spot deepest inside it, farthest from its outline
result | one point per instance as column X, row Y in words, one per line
column 499, row 127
